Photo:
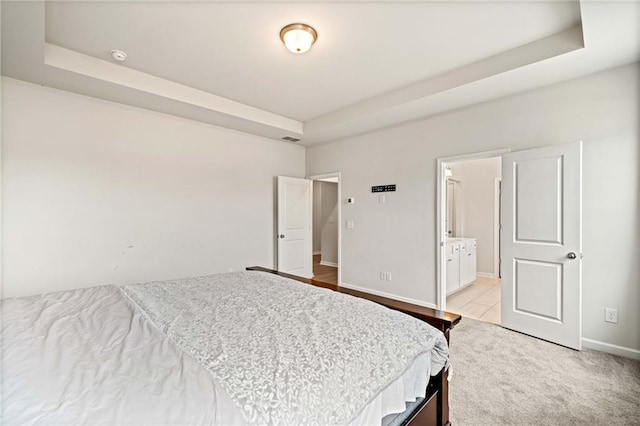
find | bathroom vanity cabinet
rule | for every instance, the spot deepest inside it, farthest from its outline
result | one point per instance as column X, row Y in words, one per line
column 461, row 263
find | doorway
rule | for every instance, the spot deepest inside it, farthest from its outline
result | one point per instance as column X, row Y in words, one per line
column 540, row 242
column 326, row 228
column 471, row 236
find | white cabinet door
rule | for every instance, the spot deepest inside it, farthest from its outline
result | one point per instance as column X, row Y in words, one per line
column 473, row 260
column 453, row 267
column 464, row 262
column 467, row 262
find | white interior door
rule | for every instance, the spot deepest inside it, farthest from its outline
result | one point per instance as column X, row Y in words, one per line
column 542, row 242
column 294, row 226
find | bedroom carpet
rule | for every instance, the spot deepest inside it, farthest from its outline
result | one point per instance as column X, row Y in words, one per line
column 501, row 377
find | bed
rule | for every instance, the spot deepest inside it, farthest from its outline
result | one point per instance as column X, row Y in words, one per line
column 252, row 347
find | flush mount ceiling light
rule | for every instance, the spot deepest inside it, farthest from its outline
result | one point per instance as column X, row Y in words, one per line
column 298, row 37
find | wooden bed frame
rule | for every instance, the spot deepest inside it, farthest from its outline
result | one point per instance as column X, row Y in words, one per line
column 434, row 409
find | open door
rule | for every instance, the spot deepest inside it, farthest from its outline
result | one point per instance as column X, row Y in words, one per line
column 542, row 243
column 294, row 226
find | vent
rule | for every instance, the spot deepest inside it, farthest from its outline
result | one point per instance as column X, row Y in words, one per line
column 290, row 139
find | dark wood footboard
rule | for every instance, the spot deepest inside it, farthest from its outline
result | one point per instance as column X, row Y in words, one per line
column 434, row 410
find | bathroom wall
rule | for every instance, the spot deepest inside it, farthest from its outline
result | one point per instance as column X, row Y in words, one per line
column 476, row 182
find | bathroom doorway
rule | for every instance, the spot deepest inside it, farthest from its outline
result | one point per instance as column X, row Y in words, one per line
column 471, row 242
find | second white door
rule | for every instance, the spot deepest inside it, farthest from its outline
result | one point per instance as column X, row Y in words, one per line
column 541, row 243
column 294, row 226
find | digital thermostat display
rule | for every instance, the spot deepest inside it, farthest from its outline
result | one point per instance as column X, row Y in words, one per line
column 383, row 188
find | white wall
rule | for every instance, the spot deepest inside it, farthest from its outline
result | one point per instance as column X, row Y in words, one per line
column 325, row 216
column 477, row 179
column 317, row 216
column 602, row 110
column 329, row 232
column 95, row 192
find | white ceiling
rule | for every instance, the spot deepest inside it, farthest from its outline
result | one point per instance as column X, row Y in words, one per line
column 363, row 49
column 374, row 64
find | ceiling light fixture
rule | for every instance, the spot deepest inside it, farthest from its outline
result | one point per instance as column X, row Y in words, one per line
column 298, row 37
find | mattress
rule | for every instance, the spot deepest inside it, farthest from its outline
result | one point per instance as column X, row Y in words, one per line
column 151, row 353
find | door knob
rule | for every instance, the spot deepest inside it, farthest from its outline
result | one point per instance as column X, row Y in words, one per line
column 571, row 255
column 282, row 236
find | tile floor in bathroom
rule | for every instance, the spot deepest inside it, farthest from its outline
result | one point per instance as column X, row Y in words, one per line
column 479, row 300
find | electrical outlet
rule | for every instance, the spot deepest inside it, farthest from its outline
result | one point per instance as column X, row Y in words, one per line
column 611, row 315
column 385, row 276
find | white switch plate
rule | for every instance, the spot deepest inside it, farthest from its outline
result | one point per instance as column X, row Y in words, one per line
column 350, row 224
column 611, row 315
column 382, row 199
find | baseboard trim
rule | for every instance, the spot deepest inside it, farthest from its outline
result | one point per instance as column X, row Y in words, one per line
column 388, row 295
column 316, row 253
column 611, row 349
column 325, row 263
column 486, row 274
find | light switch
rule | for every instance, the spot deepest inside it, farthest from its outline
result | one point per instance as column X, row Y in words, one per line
column 382, row 199
column 350, row 224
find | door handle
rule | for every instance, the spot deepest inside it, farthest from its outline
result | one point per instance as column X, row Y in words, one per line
column 571, row 255
column 282, row 236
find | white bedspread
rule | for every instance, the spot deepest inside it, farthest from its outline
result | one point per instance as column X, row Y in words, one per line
column 90, row 357
column 94, row 356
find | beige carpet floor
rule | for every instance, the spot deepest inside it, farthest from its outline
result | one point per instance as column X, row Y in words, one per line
column 501, row 377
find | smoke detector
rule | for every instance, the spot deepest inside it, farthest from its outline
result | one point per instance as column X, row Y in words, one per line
column 118, row 55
